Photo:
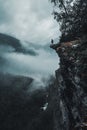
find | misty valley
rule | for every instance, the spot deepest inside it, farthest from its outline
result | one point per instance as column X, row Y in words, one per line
column 43, row 65
column 24, row 85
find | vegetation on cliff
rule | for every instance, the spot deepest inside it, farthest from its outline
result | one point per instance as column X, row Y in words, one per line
column 70, row 102
column 72, row 17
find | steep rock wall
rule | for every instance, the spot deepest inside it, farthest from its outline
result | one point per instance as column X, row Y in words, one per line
column 70, row 102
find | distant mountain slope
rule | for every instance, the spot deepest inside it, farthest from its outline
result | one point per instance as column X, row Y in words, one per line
column 16, row 44
column 9, row 40
column 14, row 81
column 20, row 109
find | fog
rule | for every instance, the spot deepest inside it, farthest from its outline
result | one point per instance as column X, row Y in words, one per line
column 30, row 21
column 38, row 67
column 27, row 67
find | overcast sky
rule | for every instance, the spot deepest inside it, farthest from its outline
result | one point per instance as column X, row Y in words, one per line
column 28, row 20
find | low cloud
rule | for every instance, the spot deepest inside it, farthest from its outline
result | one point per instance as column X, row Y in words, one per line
column 28, row 20
column 42, row 64
column 38, row 67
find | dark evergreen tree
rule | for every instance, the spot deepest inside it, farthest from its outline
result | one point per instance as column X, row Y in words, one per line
column 72, row 17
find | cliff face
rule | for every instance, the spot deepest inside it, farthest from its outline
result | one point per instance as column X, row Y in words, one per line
column 70, row 93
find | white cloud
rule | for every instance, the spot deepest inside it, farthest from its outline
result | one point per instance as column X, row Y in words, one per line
column 29, row 20
column 44, row 64
column 37, row 67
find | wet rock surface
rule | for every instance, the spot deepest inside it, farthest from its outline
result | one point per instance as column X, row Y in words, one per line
column 70, row 102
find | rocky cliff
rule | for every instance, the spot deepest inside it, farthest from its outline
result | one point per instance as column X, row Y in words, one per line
column 69, row 94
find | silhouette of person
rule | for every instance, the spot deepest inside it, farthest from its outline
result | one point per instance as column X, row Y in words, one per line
column 52, row 41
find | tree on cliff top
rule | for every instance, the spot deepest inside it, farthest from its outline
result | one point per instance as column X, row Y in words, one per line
column 72, row 17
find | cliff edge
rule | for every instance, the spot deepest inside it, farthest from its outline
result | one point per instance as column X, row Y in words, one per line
column 70, row 96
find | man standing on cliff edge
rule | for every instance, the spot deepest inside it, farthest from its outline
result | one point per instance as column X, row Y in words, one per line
column 52, row 41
